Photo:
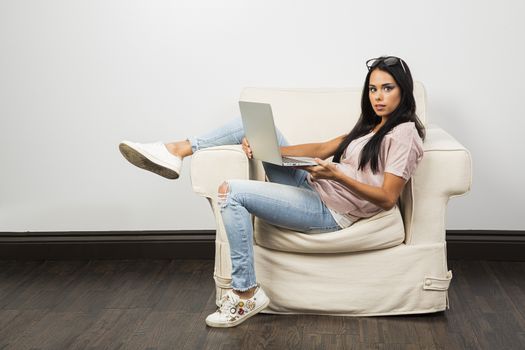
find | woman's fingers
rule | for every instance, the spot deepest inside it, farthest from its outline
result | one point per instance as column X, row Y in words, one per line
column 325, row 170
column 246, row 148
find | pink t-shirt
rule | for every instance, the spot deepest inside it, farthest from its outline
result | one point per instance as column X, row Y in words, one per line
column 401, row 151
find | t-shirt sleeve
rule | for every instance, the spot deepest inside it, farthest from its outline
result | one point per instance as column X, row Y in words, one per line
column 404, row 151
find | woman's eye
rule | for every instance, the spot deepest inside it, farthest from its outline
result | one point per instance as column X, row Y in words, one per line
column 388, row 88
column 372, row 89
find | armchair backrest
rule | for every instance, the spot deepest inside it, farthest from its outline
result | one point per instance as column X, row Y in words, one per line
column 316, row 115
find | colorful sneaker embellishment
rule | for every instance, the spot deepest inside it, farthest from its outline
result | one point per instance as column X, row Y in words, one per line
column 250, row 305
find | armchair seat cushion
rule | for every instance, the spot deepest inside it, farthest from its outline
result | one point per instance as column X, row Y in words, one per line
column 383, row 230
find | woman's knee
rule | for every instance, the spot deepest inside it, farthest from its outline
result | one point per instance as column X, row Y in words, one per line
column 223, row 191
column 234, row 186
column 233, row 191
column 223, row 188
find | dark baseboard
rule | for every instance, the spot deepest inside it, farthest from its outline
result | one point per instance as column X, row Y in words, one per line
column 200, row 244
column 108, row 245
column 486, row 245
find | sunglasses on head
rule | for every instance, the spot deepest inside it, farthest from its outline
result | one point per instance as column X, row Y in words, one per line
column 387, row 60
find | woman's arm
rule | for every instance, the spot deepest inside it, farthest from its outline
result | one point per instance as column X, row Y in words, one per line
column 385, row 196
column 320, row 150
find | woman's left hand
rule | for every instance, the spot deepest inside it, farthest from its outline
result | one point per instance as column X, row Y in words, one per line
column 325, row 170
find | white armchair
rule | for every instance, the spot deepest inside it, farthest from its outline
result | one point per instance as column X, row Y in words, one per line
column 392, row 263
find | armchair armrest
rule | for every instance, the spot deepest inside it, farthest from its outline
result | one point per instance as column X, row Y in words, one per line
column 444, row 172
column 210, row 167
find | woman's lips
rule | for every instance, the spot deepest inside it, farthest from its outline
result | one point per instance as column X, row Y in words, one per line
column 379, row 107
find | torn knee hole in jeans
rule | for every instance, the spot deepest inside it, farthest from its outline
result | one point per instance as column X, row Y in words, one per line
column 222, row 197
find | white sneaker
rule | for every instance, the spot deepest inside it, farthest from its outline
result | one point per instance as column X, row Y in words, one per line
column 234, row 310
column 154, row 157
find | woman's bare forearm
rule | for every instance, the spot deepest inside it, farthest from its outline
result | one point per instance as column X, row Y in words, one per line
column 320, row 150
column 304, row 150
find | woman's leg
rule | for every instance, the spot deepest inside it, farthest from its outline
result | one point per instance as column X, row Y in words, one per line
column 166, row 159
column 286, row 206
column 232, row 133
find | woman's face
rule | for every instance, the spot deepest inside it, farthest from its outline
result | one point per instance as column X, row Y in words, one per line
column 384, row 93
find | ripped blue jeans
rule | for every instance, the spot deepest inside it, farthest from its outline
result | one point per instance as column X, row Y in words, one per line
column 287, row 201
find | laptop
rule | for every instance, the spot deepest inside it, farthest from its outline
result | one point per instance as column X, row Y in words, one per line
column 259, row 129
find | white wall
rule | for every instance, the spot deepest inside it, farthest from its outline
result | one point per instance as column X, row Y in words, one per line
column 76, row 77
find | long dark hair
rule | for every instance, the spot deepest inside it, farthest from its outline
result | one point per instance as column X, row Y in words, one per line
column 405, row 112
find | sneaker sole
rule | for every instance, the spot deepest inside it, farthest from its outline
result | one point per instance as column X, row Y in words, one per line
column 241, row 320
column 142, row 161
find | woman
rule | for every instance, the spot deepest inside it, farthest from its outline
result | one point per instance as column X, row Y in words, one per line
column 370, row 166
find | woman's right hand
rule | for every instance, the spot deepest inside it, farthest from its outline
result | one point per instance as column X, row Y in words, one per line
column 246, row 148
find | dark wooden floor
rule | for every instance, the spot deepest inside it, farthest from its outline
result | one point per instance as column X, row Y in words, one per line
column 162, row 304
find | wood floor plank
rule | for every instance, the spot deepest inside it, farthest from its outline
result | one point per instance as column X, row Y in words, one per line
column 220, row 338
column 369, row 331
column 398, row 329
column 198, row 337
column 510, row 277
column 163, row 330
column 55, row 330
column 422, row 326
column 12, row 275
column 17, row 282
column 112, row 328
column 269, row 331
column 486, row 304
column 184, row 285
column 316, row 341
column 49, row 283
column 16, row 324
column 351, row 325
column 320, row 324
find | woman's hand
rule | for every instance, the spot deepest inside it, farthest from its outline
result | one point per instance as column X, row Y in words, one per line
column 246, row 148
column 325, row 170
